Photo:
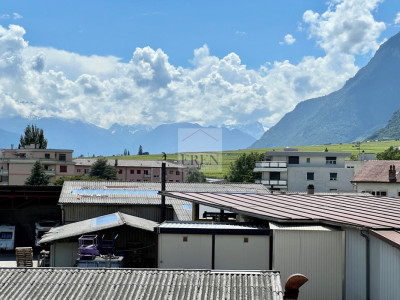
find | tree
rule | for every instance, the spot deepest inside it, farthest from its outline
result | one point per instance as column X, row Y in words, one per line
column 129, row 153
column 102, row 169
column 241, row 170
column 125, row 152
column 140, row 152
column 164, row 156
column 33, row 135
column 392, row 153
column 194, row 175
column 38, row 176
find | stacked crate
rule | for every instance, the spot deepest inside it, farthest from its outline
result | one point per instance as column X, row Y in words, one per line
column 24, row 256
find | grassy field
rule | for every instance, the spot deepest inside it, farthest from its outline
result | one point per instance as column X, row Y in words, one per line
column 231, row 156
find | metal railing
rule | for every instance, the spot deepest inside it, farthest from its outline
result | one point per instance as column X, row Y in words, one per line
column 271, row 164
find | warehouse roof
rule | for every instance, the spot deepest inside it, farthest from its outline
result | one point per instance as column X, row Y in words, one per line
column 390, row 236
column 74, row 283
column 376, row 171
column 96, row 224
column 128, row 163
column 355, row 211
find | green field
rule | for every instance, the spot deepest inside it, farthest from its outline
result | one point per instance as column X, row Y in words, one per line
column 230, row 156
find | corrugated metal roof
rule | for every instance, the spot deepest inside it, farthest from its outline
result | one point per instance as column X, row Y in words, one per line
column 128, row 163
column 212, row 225
column 96, row 224
column 376, row 171
column 390, row 236
column 73, row 283
column 358, row 211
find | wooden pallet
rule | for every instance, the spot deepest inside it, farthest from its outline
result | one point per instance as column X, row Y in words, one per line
column 24, row 256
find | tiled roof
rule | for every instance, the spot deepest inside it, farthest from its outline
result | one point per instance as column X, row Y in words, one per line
column 355, row 211
column 128, row 163
column 143, row 193
column 74, row 283
column 97, row 224
column 376, row 171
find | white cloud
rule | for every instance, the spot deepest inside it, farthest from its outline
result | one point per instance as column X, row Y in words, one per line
column 397, row 19
column 4, row 17
column 241, row 33
column 17, row 16
column 150, row 90
column 288, row 40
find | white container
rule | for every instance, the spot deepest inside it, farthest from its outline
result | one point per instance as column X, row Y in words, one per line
column 7, row 237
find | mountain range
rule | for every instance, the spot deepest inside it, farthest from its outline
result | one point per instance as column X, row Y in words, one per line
column 87, row 139
column 364, row 105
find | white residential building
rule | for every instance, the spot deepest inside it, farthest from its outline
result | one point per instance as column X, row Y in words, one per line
column 294, row 171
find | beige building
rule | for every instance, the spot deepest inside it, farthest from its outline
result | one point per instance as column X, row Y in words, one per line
column 379, row 178
column 16, row 164
column 136, row 170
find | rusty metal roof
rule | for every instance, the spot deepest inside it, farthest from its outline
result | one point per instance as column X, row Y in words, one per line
column 145, row 284
column 343, row 210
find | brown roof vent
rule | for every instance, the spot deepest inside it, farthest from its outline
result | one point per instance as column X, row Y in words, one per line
column 392, row 173
column 293, row 283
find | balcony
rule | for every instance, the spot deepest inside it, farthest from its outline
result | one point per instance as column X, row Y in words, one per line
column 273, row 183
column 271, row 166
column 50, row 172
column 3, row 172
column 146, row 175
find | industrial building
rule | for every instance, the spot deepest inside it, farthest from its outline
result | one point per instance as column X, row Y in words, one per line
column 347, row 245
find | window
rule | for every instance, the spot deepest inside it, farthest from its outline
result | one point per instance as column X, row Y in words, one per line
column 332, row 176
column 87, row 171
column 78, row 170
column 245, row 240
column 293, row 160
column 331, row 160
column 171, row 172
column 178, row 173
column 156, row 176
column 308, row 160
column 5, row 235
column 185, row 239
column 383, row 193
column 177, row 180
column 310, row 175
column 119, row 171
column 62, row 157
column 139, row 172
column 333, row 190
column 47, row 155
column 274, row 176
column 63, row 169
column 146, row 172
column 132, row 171
column 138, row 180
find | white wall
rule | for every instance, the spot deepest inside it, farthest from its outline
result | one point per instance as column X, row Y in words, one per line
column 319, row 255
column 392, row 189
column 232, row 253
column 173, row 252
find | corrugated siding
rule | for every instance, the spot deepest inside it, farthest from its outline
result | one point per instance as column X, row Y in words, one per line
column 316, row 254
column 48, row 283
column 385, row 270
column 75, row 213
column 355, row 265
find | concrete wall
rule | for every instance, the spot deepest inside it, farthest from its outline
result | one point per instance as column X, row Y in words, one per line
column 319, row 255
column 322, row 184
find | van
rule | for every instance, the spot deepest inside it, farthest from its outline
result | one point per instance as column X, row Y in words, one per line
column 7, row 237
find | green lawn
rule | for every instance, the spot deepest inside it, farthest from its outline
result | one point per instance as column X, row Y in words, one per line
column 230, row 156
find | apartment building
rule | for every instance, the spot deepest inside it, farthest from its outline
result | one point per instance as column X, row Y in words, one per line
column 294, row 171
column 16, row 164
column 136, row 170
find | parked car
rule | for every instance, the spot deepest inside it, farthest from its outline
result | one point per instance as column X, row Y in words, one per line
column 42, row 227
column 7, row 237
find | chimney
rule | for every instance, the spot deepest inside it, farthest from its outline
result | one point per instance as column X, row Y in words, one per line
column 293, row 283
column 116, row 163
column 392, row 173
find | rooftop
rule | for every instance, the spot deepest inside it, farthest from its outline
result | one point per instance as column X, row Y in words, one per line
column 128, row 163
column 74, row 283
column 376, row 171
column 337, row 210
column 307, row 153
column 97, row 224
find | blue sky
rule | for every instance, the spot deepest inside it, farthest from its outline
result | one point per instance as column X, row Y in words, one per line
column 211, row 62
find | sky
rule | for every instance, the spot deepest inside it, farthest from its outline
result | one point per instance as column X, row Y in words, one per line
column 155, row 62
